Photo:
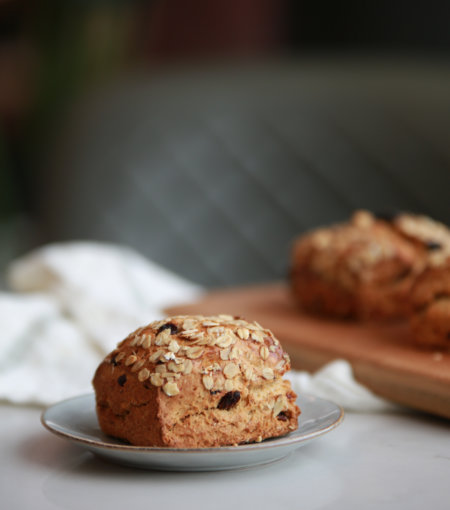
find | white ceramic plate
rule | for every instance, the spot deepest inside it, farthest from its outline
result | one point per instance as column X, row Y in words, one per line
column 75, row 419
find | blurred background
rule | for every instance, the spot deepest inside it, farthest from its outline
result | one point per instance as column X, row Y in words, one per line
column 207, row 134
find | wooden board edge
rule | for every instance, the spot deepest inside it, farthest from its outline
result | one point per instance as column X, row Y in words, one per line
column 402, row 388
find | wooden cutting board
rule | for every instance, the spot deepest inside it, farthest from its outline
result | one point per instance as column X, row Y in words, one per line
column 382, row 356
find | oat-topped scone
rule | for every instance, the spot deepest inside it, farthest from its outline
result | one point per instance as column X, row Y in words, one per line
column 194, row 381
column 365, row 268
column 430, row 314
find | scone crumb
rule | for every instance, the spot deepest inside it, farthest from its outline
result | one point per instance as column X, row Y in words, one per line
column 437, row 356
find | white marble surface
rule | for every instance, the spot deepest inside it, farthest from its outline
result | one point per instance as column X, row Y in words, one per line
column 372, row 461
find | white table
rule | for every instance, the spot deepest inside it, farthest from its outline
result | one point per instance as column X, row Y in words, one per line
column 372, row 461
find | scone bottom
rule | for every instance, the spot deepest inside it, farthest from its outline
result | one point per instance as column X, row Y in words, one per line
column 196, row 381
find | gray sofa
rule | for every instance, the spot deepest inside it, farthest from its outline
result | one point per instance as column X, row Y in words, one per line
column 213, row 171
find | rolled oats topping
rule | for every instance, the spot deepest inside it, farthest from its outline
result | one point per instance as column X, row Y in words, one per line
column 134, row 340
column 163, row 338
column 165, row 351
column 138, row 365
column 225, row 354
column 231, row 370
column 120, row 356
column 187, row 366
column 144, row 374
column 195, row 381
column 171, row 389
column 267, row 373
column 248, row 373
column 130, row 360
column 228, row 386
column 264, row 352
column 208, row 382
column 173, row 346
column 147, row 342
column 156, row 355
column 258, row 336
column 194, row 352
column 243, row 333
column 141, row 340
column 156, row 379
column 225, row 341
column 175, row 367
column 189, row 324
column 279, row 405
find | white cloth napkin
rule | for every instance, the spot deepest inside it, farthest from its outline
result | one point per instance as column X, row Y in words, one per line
column 106, row 290
column 44, row 357
column 71, row 303
column 335, row 382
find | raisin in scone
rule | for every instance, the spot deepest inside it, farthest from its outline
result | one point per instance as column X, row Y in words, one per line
column 194, row 381
column 365, row 268
column 430, row 310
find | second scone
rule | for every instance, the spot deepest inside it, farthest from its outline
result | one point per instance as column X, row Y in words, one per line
column 430, row 310
column 365, row 268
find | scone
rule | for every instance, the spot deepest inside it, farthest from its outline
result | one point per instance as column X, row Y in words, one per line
column 194, row 381
column 430, row 311
column 365, row 268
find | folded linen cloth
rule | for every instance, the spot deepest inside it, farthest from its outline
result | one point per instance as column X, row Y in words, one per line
column 44, row 357
column 335, row 382
column 73, row 302
column 106, row 290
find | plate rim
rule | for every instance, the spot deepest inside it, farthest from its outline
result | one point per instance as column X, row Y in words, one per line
column 286, row 440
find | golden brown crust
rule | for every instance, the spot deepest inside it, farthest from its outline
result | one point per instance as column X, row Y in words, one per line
column 365, row 268
column 430, row 307
column 194, row 381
